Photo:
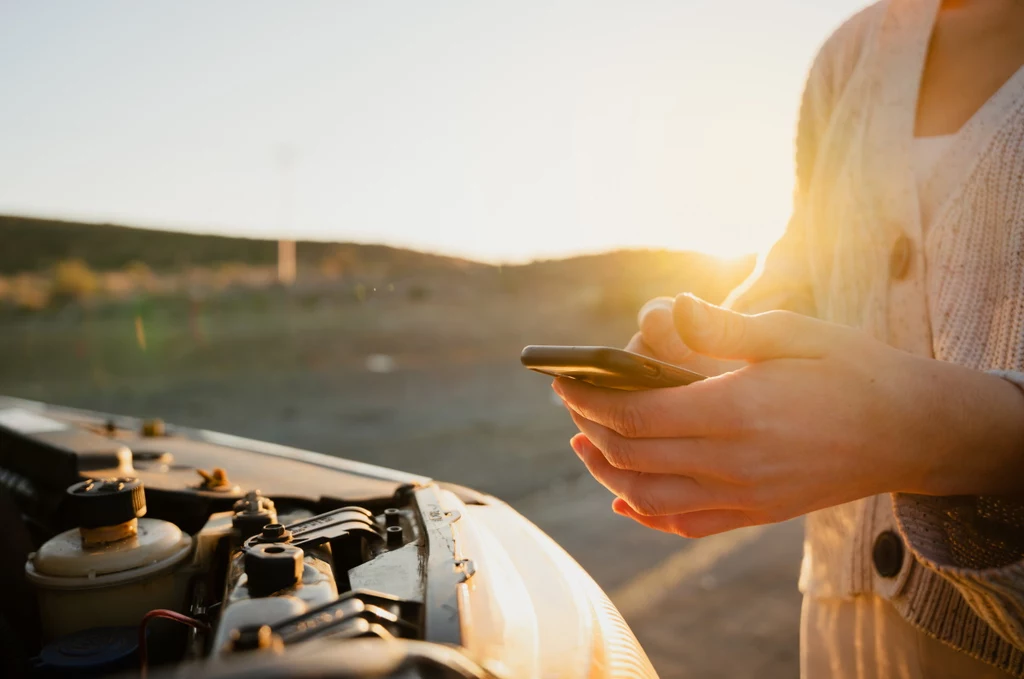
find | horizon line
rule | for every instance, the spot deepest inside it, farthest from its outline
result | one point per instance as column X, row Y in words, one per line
column 205, row 232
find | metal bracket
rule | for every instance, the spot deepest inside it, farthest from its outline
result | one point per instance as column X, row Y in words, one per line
column 324, row 528
column 373, row 607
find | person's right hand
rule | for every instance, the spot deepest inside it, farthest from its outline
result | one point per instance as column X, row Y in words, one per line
column 659, row 338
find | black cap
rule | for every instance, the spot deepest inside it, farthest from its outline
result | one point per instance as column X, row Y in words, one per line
column 271, row 567
column 95, row 503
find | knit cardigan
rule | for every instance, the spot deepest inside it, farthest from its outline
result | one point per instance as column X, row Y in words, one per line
column 946, row 282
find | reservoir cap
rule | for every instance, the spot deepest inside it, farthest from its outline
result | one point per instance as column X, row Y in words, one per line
column 95, row 503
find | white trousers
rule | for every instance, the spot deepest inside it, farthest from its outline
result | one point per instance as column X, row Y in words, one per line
column 865, row 638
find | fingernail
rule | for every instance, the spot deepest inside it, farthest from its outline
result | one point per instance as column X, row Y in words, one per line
column 576, row 443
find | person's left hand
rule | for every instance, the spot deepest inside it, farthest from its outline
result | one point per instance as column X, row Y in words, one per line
column 821, row 415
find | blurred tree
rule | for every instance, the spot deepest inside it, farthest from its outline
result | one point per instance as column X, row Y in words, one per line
column 29, row 292
column 73, row 279
column 141, row 275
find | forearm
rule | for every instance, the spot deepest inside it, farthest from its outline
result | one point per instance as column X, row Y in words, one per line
column 963, row 522
column 974, row 432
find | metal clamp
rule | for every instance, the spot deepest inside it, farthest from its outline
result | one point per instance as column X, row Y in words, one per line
column 324, row 528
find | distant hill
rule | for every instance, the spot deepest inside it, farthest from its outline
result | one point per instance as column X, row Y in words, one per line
column 36, row 244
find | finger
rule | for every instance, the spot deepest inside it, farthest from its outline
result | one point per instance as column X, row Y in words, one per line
column 696, row 457
column 650, row 494
column 697, row 409
column 659, row 330
column 722, row 333
column 697, row 524
column 638, row 346
column 692, row 361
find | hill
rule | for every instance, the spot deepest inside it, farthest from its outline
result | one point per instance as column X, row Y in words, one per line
column 37, row 244
column 622, row 279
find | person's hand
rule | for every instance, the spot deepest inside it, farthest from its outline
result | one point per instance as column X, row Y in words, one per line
column 658, row 338
column 821, row 414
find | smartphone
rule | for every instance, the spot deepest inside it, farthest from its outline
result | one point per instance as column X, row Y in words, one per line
column 606, row 367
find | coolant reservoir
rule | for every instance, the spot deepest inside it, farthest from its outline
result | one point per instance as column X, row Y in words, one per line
column 113, row 568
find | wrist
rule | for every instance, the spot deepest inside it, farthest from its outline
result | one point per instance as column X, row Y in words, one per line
column 973, row 429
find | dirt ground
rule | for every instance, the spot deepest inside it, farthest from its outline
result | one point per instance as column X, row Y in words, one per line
column 457, row 406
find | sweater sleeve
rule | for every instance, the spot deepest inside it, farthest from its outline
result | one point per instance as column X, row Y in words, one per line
column 976, row 543
column 782, row 279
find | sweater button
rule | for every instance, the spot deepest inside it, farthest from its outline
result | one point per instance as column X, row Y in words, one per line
column 899, row 257
column 888, row 554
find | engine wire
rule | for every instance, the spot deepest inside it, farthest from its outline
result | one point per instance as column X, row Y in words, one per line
column 166, row 615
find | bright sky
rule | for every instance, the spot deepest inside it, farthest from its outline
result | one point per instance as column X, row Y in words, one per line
column 498, row 130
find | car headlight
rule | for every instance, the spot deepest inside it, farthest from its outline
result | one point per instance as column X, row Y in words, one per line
column 530, row 610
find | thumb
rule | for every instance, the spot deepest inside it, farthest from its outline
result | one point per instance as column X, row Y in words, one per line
column 723, row 333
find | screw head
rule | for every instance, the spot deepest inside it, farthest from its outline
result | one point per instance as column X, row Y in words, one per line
column 394, row 536
column 275, row 532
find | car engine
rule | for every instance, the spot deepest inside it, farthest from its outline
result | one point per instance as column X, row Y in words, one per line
column 150, row 563
column 133, row 548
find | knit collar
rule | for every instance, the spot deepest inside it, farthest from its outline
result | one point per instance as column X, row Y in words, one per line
column 899, row 58
column 901, row 51
column 972, row 142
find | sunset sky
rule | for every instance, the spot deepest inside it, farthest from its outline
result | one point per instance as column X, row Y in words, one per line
column 497, row 130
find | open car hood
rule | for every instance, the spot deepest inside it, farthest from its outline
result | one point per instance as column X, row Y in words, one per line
column 477, row 589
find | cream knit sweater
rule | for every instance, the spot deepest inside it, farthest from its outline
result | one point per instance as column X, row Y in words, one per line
column 947, row 283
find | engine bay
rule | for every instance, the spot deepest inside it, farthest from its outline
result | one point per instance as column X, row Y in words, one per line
column 148, row 552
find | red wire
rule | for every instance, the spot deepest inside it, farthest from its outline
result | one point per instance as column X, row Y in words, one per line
column 167, row 615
